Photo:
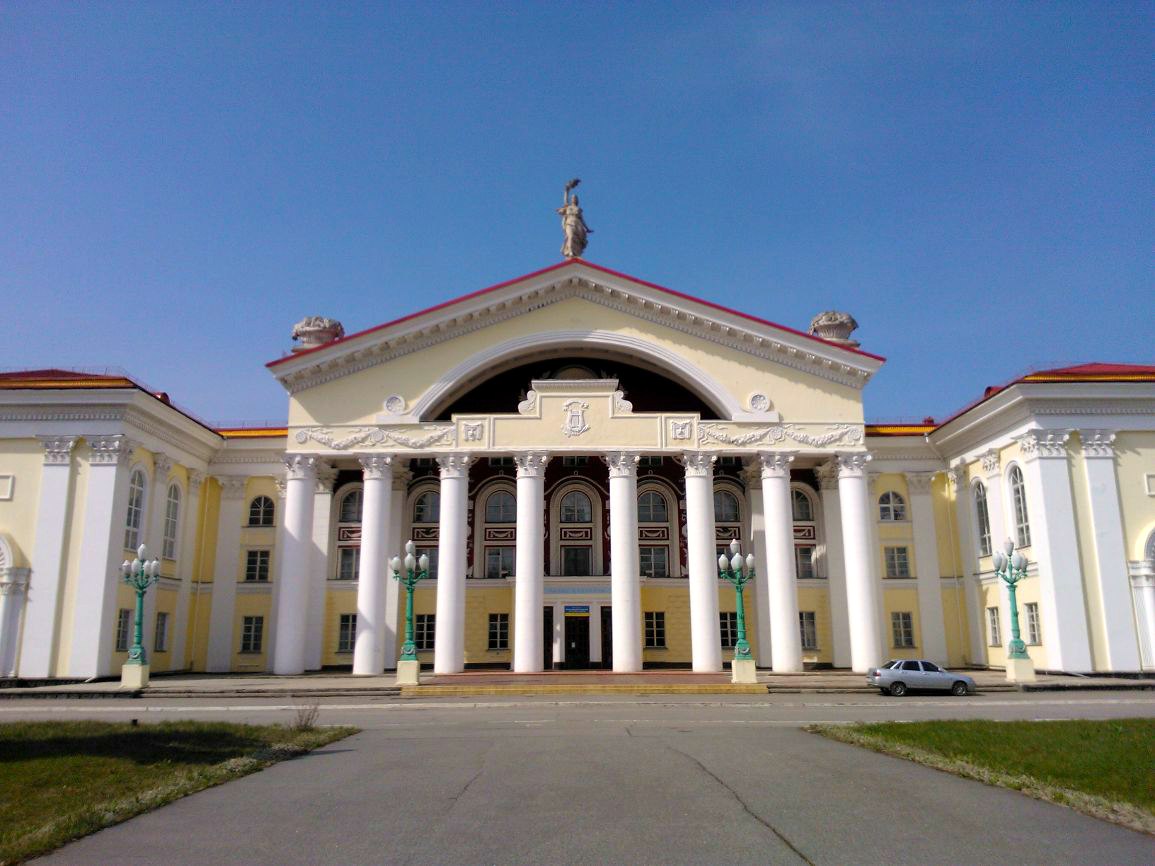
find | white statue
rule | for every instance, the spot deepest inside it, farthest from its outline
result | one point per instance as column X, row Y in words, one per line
column 313, row 331
column 575, row 228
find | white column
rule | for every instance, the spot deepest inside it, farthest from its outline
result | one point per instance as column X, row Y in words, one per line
column 449, row 637
column 968, row 561
column 702, row 560
column 186, row 549
column 782, row 577
column 226, row 567
column 13, row 589
column 835, row 563
column 1000, row 530
column 529, row 568
column 926, row 568
column 862, row 591
column 154, row 539
column 752, row 475
column 369, row 650
column 101, row 552
column 1055, row 546
column 270, row 635
column 1118, row 614
column 297, row 564
column 1143, row 588
column 401, row 478
column 318, row 579
column 625, row 578
column 42, row 607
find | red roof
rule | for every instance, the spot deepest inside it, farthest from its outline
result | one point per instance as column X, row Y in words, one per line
column 55, row 374
column 558, row 266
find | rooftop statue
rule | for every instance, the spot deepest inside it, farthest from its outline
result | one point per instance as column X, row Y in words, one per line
column 835, row 326
column 313, row 331
column 575, row 228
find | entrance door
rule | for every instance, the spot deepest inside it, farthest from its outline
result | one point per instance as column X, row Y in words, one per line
column 607, row 637
column 547, row 637
column 577, row 642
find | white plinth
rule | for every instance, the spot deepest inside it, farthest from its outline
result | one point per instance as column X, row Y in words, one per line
column 408, row 673
column 743, row 671
column 134, row 676
column 1020, row 671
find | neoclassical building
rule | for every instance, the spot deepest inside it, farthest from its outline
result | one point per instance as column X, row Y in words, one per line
column 572, row 449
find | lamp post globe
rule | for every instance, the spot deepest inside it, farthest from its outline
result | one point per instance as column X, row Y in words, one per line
column 409, row 572
column 139, row 574
column 1010, row 567
column 739, row 571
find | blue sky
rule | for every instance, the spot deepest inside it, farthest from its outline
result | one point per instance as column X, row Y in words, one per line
column 181, row 182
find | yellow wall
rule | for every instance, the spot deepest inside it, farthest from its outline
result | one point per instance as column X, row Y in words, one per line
column 817, row 599
column 905, row 600
column 675, row 602
column 23, row 459
column 1135, row 459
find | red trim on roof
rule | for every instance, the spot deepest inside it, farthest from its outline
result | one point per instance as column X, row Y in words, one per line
column 558, row 266
column 55, row 374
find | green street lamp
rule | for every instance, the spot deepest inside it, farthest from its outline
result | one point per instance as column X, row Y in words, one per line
column 416, row 570
column 1011, row 567
column 739, row 572
column 140, row 574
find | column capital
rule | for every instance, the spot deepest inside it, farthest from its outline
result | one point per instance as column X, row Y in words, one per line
column 827, row 474
column 57, row 449
column 776, row 464
column 1037, row 444
column 401, row 476
column 1098, row 443
column 113, row 450
column 751, row 472
column 531, row 464
column 699, row 464
column 376, row 467
column 326, row 477
column 992, row 464
column 454, row 465
column 300, row 467
column 195, row 479
column 162, row 466
column 852, row 465
column 956, row 476
column 232, row 486
column 919, row 482
column 622, row 464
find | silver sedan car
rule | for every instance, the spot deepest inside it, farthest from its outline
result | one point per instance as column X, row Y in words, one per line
column 899, row 676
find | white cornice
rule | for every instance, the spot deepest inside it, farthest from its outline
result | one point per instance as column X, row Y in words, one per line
column 684, row 315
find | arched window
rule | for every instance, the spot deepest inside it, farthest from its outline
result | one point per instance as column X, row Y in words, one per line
column 652, row 508
column 982, row 519
column 349, row 535
column 576, row 508
column 1019, row 500
column 350, row 511
column 891, row 506
column 135, row 517
column 501, row 507
column 171, row 522
column 801, row 506
column 1149, row 551
column 726, row 507
column 261, row 511
column 427, row 507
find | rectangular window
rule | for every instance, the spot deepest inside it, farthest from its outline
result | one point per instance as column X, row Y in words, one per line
column 252, row 634
column 897, row 562
column 728, row 621
column 499, row 561
column 346, row 632
column 431, row 552
column 804, row 561
column 655, row 629
column 649, row 462
column 809, row 629
column 902, row 629
column 348, row 563
column 1032, row 609
column 574, row 461
column 729, row 462
column 123, row 625
column 501, row 462
column 654, row 561
column 576, row 561
column 160, row 638
column 499, row 631
column 257, row 565
column 994, row 635
column 424, row 630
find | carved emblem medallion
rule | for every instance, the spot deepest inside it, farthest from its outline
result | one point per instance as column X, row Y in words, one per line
column 575, row 417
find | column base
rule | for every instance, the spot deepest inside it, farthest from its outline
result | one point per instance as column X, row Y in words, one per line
column 408, row 673
column 743, row 671
column 1020, row 670
column 134, row 676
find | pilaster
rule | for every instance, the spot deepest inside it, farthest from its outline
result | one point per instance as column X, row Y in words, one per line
column 752, row 476
column 322, row 513
column 969, row 563
column 930, row 614
column 189, row 519
column 226, row 567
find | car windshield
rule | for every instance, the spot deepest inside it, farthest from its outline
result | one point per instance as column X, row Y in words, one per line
column 890, row 664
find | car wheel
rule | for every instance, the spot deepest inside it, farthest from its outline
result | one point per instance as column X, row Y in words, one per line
column 898, row 689
column 959, row 689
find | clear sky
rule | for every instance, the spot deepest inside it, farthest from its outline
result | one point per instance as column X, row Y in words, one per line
column 181, row 182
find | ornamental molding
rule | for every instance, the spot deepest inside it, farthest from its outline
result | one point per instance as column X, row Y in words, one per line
column 195, row 479
column 531, row 298
column 957, row 478
column 232, row 486
column 622, row 464
column 236, row 458
column 14, row 581
column 58, row 449
column 699, row 464
column 574, row 423
column 1049, row 444
column 301, row 467
column 40, row 413
column 168, row 434
column 528, row 406
column 991, row 463
column 776, row 464
column 844, row 434
column 454, row 465
column 326, row 477
column 1098, row 443
column 681, row 431
column 531, row 464
column 852, row 465
column 376, row 467
column 919, row 482
column 827, row 474
column 401, row 476
column 113, row 450
column 162, row 466
column 473, row 431
column 433, row 435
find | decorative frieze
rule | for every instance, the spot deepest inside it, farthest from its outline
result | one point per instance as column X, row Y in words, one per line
column 425, row 437
column 841, row 434
column 57, row 449
column 1098, row 443
column 699, row 464
column 1044, row 444
column 622, row 464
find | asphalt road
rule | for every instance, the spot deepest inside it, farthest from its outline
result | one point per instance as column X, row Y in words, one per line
column 612, row 780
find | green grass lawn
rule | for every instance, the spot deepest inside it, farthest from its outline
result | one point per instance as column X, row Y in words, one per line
column 63, row 780
column 1105, row 768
